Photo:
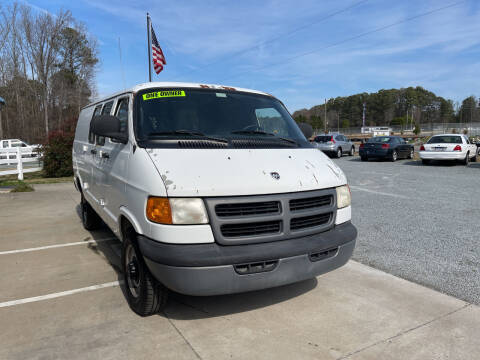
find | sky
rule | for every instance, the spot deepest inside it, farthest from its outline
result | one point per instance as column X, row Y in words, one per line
column 299, row 51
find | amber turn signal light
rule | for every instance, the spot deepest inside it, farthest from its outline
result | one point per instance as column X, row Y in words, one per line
column 158, row 210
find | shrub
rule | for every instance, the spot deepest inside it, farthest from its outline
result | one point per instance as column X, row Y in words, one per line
column 57, row 154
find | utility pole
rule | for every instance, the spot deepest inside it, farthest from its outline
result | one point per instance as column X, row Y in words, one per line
column 2, row 103
column 325, row 115
column 338, row 122
column 363, row 116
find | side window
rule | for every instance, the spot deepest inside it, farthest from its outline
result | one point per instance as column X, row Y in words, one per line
column 5, row 144
column 122, row 114
column 96, row 112
column 107, row 108
column 466, row 139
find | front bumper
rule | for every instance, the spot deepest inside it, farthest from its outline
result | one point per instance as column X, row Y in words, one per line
column 442, row 155
column 210, row 269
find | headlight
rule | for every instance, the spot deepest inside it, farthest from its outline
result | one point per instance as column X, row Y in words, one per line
column 179, row 211
column 344, row 198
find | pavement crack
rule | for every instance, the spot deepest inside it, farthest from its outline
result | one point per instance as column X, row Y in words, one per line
column 404, row 332
column 183, row 337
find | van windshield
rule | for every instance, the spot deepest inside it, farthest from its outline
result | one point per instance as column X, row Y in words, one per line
column 163, row 115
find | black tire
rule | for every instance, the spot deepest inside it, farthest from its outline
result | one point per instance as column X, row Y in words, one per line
column 425, row 161
column 410, row 155
column 394, row 156
column 466, row 161
column 363, row 158
column 145, row 295
column 90, row 219
column 352, row 151
column 339, row 153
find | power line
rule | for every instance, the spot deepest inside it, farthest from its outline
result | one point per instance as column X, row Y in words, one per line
column 281, row 36
column 381, row 28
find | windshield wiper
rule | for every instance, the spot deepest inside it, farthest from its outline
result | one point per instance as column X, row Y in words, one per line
column 188, row 132
column 260, row 132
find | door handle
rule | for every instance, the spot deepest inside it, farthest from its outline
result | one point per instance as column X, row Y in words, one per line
column 93, row 151
column 105, row 155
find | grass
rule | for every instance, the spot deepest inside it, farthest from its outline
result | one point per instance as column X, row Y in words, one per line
column 21, row 186
column 32, row 178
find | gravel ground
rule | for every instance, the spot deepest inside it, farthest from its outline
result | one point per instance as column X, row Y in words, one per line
column 419, row 222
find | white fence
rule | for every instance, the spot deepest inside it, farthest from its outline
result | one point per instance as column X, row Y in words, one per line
column 19, row 157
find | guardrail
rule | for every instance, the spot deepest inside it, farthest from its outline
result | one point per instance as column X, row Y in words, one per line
column 19, row 157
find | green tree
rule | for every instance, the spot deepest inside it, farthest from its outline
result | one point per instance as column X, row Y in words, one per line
column 417, row 129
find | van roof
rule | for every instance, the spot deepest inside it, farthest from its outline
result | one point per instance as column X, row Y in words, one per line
column 170, row 85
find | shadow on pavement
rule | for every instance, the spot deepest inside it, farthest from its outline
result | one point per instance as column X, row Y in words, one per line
column 184, row 307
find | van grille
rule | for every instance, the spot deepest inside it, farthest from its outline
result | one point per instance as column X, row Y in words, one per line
column 245, row 209
column 310, row 203
column 265, row 218
column 309, row 221
column 251, row 229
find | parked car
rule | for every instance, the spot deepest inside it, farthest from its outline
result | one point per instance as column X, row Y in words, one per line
column 448, row 147
column 206, row 186
column 334, row 144
column 386, row 147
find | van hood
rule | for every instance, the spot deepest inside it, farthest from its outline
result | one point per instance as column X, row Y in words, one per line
column 232, row 172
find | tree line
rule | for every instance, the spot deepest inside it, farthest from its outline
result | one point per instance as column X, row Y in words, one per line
column 405, row 107
column 47, row 71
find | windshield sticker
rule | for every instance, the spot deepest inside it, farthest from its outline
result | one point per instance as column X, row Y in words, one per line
column 163, row 94
column 221, row 94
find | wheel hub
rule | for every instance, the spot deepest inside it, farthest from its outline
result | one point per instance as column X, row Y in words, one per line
column 133, row 270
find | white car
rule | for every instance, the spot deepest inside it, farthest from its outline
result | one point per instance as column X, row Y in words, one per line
column 448, row 147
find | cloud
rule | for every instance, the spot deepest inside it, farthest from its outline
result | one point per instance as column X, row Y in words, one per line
column 215, row 41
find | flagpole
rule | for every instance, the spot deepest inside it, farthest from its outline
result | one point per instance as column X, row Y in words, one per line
column 149, row 26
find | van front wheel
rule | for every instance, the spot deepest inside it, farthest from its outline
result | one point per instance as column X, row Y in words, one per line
column 145, row 295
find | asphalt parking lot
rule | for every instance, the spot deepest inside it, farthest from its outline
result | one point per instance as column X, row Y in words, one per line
column 61, row 298
column 419, row 222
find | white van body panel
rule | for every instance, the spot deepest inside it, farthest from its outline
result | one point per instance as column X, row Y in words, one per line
column 209, row 172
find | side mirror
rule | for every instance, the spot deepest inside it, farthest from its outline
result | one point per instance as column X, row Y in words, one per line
column 307, row 130
column 108, row 126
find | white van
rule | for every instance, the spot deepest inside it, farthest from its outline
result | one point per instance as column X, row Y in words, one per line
column 212, row 190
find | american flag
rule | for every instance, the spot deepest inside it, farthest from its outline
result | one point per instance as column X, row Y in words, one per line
column 157, row 54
